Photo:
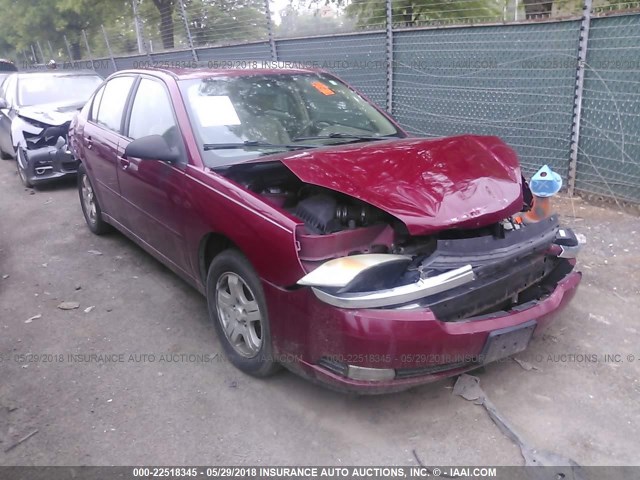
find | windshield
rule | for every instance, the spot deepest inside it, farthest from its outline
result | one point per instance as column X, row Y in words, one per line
column 238, row 118
column 39, row 89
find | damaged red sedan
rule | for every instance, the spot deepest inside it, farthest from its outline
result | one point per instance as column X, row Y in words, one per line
column 324, row 238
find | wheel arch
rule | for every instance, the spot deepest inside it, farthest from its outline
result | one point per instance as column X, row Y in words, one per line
column 211, row 244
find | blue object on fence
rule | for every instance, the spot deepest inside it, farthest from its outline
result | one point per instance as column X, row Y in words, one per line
column 545, row 182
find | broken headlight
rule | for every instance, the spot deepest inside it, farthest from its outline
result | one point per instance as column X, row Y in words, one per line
column 371, row 281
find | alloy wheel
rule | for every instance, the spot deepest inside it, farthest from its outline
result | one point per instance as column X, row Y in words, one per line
column 239, row 314
column 88, row 199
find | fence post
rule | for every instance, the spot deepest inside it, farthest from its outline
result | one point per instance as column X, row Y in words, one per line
column 577, row 102
column 272, row 41
column 86, row 43
column 389, row 45
column 106, row 41
column 35, row 57
column 66, row 42
column 51, row 49
column 142, row 46
column 40, row 51
column 183, row 12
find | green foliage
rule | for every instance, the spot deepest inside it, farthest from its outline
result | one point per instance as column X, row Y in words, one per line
column 308, row 21
column 409, row 13
column 26, row 22
column 226, row 21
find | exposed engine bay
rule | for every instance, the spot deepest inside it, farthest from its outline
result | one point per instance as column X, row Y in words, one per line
column 323, row 211
column 360, row 256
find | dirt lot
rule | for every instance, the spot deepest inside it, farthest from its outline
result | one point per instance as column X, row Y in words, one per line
column 150, row 412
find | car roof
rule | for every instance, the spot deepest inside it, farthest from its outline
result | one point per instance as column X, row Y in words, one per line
column 56, row 73
column 7, row 66
column 205, row 72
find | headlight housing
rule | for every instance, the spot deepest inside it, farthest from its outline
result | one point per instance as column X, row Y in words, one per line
column 343, row 282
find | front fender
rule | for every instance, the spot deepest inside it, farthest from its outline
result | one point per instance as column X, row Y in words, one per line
column 263, row 234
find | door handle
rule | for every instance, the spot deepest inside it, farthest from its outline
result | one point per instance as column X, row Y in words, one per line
column 124, row 163
column 89, row 143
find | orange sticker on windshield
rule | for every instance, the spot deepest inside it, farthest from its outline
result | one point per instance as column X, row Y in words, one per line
column 322, row 88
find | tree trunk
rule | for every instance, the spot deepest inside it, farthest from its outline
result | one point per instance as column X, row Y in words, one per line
column 165, row 7
column 76, row 50
column 409, row 21
column 536, row 9
column 166, row 28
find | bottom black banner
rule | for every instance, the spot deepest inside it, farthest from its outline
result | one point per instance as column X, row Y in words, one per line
column 339, row 473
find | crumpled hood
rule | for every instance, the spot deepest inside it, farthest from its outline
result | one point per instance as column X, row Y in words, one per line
column 465, row 181
column 53, row 114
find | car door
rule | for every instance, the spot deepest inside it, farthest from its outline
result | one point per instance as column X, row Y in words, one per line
column 8, row 93
column 153, row 190
column 100, row 142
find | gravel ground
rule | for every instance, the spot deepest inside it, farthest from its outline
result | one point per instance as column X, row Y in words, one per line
column 144, row 411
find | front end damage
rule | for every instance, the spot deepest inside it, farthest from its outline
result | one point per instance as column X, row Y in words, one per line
column 413, row 316
column 43, row 152
column 495, row 269
column 393, row 303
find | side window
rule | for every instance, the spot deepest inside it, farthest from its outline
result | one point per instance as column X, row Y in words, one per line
column 113, row 102
column 10, row 90
column 152, row 114
column 95, row 104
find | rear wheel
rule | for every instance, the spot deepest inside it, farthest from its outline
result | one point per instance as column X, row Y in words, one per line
column 238, row 310
column 90, row 206
column 22, row 162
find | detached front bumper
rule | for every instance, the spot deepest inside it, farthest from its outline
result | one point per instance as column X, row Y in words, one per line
column 49, row 163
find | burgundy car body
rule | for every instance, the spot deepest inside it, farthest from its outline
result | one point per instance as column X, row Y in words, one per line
column 183, row 214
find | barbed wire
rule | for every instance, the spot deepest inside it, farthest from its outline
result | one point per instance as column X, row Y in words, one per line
column 516, row 82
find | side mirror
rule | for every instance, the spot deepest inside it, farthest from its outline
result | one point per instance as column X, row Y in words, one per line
column 3, row 104
column 152, row 147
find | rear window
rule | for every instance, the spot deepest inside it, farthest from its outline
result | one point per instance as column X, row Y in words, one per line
column 6, row 66
column 40, row 89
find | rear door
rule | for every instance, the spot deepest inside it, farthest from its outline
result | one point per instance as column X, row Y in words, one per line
column 101, row 139
column 153, row 190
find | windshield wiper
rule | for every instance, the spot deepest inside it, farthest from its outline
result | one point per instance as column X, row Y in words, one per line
column 254, row 144
column 347, row 136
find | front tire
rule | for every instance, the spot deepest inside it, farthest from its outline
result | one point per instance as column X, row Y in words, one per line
column 90, row 206
column 5, row 156
column 22, row 164
column 238, row 309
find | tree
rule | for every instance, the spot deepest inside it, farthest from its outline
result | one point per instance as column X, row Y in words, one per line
column 25, row 23
column 166, row 7
column 537, row 9
column 225, row 21
column 410, row 13
column 297, row 22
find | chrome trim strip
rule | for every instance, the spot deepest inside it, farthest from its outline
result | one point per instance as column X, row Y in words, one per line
column 402, row 294
column 42, row 170
column 370, row 374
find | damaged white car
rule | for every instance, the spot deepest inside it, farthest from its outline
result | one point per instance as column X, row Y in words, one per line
column 36, row 109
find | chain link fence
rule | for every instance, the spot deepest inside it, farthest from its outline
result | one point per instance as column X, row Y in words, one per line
column 609, row 145
column 557, row 80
